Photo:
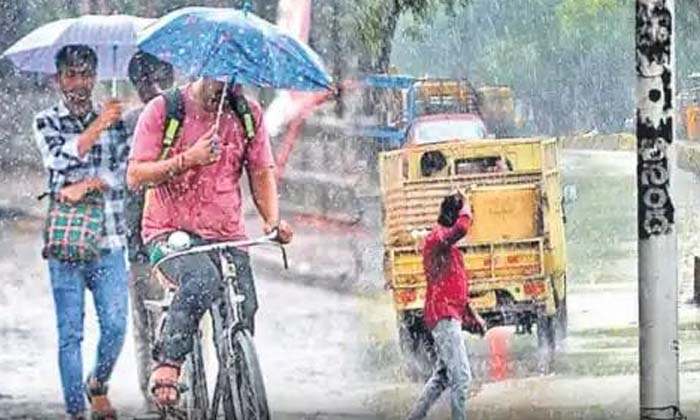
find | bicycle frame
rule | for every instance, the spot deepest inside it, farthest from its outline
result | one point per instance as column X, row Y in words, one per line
column 225, row 311
column 264, row 240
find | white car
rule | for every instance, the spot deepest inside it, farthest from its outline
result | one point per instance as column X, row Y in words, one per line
column 445, row 127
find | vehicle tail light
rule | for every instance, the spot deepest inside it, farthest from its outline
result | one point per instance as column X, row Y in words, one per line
column 534, row 288
column 405, row 296
column 513, row 259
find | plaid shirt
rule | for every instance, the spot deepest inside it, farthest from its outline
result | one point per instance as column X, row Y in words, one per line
column 56, row 133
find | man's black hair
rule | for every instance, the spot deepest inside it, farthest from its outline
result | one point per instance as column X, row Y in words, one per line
column 143, row 66
column 449, row 209
column 431, row 162
column 75, row 55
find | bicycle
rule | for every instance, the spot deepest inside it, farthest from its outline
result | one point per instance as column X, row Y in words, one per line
column 239, row 389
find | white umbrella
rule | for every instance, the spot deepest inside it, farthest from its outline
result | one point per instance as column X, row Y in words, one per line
column 113, row 37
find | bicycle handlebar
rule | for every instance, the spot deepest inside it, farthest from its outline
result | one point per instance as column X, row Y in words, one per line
column 269, row 239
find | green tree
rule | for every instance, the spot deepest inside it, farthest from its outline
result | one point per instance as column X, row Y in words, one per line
column 569, row 61
column 375, row 23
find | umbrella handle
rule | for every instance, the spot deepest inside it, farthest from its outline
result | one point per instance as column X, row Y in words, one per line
column 221, row 106
column 114, row 69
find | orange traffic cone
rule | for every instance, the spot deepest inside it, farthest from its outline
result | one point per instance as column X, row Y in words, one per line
column 498, row 340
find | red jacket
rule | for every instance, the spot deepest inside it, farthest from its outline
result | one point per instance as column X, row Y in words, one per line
column 448, row 280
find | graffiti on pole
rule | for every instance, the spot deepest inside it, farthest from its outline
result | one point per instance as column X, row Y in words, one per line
column 654, row 118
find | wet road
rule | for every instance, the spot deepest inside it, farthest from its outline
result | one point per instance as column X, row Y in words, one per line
column 329, row 355
column 306, row 337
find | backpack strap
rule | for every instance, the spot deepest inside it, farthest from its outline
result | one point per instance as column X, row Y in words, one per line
column 240, row 106
column 174, row 117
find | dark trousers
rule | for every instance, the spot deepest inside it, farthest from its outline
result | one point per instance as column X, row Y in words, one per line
column 199, row 280
column 143, row 287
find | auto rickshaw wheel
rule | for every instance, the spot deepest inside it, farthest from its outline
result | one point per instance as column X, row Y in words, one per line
column 546, row 333
column 417, row 345
column 561, row 319
column 546, row 344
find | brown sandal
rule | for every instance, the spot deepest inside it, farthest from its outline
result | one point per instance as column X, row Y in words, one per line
column 96, row 391
column 169, row 381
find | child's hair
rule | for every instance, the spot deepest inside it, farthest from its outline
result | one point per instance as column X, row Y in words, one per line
column 449, row 209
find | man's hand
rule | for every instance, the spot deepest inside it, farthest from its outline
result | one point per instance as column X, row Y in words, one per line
column 466, row 206
column 203, row 153
column 284, row 231
column 111, row 113
column 72, row 194
column 475, row 324
column 480, row 323
column 466, row 203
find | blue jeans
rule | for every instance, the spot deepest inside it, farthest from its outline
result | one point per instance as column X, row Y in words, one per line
column 106, row 278
column 451, row 372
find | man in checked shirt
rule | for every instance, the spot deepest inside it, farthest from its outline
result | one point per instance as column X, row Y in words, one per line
column 84, row 148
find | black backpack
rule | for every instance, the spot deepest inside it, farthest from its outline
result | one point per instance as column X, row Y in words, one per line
column 175, row 115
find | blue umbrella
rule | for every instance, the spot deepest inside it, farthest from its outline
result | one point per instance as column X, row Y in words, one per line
column 216, row 42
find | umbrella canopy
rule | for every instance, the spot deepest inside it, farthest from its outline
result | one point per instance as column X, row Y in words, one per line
column 215, row 42
column 113, row 37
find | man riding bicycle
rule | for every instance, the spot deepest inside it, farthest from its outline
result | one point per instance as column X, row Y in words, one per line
column 194, row 177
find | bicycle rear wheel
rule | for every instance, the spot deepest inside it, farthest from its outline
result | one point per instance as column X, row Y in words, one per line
column 245, row 379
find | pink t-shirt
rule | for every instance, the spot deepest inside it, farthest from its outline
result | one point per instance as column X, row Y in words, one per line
column 205, row 201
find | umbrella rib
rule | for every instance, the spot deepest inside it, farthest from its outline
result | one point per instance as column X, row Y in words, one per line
column 214, row 51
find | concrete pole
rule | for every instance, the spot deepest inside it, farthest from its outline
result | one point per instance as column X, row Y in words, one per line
column 658, row 271
column 696, row 281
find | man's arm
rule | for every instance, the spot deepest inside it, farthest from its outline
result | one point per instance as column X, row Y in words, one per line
column 263, row 185
column 477, row 321
column 453, row 234
column 57, row 152
column 262, row 176
column 75, row 192
column 110, row 114
column 145, row 167
column 145, row 173
column 60, row 153
column 89, row 137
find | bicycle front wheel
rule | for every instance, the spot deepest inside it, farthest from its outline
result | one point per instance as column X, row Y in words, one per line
column 245, row 379
column 195, row 401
